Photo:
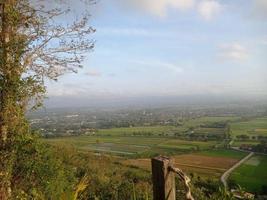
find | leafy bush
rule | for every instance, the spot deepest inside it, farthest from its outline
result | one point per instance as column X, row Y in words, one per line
column 38, row 173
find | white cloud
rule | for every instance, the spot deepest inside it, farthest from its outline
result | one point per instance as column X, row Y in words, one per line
column 158, row 7
column 171, row 67
column 208, row 9
column 93, row 72
column 181, row 4
column 67, row 90
column 260, row 9
column 160, row 64
column 124, row 31
column 233, row 51
column 264, row 42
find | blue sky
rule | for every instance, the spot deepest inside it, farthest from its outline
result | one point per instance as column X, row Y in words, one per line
column 172, row 47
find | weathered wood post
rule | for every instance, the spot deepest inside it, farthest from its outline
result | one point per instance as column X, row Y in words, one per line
column 163, row 178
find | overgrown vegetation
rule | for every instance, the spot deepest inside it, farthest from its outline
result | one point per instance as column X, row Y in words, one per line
column 33, row 47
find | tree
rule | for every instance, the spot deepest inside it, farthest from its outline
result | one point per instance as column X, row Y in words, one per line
column 34, row 45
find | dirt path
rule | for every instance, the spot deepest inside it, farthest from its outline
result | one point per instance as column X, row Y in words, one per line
column 226, row 174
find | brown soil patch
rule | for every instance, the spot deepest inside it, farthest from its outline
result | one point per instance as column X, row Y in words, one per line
column 204, row 165
column 205, row 161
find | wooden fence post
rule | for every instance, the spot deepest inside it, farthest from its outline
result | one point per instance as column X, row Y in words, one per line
column 163, row 178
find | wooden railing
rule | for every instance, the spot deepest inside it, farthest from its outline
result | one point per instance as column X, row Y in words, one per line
column 163, row 177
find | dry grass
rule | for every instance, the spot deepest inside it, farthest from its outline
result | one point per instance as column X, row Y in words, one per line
column 192, row 163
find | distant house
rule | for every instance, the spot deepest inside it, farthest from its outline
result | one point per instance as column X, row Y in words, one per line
column 90, row 131
column 247, row 147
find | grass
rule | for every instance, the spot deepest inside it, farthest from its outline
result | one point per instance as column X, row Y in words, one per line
column 135, row 140
column 209, row 131
column 224, row 153
column 252, row 174
column 132, row 144
column 128, row 131
column 182, row 144
column 169, row 130
column 253, row 127
column 207, row 161
column 206, row 166
column 239, row 143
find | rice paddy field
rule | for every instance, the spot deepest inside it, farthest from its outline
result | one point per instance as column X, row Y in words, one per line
column 136, row 145
column 152, row 130
column 253, row 127
column 252, row 175
column 146, row 139
column 170, row 130
column 239, row 143
column 209, row 166
column 131, row 145
column 225, row 153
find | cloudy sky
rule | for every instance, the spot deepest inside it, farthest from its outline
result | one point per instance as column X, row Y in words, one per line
column 173, row 47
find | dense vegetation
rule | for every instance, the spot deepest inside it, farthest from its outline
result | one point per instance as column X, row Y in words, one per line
column 64, row 173
column 27, row 30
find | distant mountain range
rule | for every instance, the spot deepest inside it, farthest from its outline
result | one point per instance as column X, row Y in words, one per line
column 151, row 101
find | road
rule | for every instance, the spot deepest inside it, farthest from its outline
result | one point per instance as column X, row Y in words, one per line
column 226, row 174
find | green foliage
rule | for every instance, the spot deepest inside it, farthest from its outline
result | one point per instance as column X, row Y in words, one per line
column 38, row 173
column 106, row 178
column 208, row 186
column 27, row 30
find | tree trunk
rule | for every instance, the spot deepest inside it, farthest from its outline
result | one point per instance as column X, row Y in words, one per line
column 7, row 152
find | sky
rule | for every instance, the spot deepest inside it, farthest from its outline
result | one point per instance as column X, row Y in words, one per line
column 171, row 48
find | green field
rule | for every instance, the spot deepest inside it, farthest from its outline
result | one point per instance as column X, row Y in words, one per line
column 170, row 130
column 182, row 144
column 252, row 174
column 132, row 144
column 253, row 127
column 153, row 130
column 239, row 143
column 224, row 153
column 145, row 139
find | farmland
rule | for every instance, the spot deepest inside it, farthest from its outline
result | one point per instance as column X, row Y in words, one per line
column 195, row 157
column 199, row 144
column 140, row 130
column 253, row 127
column 252, row 174
column 150, row 140
column 224, row 153
column 247, row 142
column 205, row 166
column 132, row 145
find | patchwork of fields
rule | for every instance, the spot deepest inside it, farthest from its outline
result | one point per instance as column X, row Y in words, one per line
column 132, row 145
column 253, row 127
column 137, row 144
column 203, row 165
column 141, row 130
column 200, row 125
column 252, row 174
column 224, row 153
